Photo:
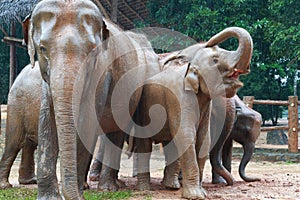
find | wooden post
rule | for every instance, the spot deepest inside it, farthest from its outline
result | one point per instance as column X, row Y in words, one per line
column 12, row 60
column 248, row 100
column 293, row 124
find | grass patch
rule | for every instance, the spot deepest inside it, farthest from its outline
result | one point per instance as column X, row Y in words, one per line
column 18, row 194
column 31, row 194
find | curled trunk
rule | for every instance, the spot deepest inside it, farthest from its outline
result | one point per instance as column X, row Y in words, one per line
column 239, row 59
column 248, row 151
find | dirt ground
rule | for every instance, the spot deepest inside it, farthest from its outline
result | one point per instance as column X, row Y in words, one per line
column 279, row 180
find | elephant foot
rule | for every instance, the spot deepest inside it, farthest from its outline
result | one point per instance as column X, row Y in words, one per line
column 121, row 184
column 193, row 193
column 143, row 181
column 50, row 197
column 27, row 181
column 5, row 185
column 108, row 185
column 86, row 186
column 218, row 180
column 95, row 171
column 171, row 182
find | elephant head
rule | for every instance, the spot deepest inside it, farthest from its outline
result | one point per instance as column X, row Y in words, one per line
column 62, row 33
column 214, row 70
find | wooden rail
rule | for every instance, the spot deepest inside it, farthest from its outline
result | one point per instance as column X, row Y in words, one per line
column 293, row 123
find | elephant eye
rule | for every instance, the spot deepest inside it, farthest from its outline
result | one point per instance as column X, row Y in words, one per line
column 215, row 60
column 42, row 49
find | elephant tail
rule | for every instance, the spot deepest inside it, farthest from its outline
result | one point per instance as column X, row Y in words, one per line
column 248, row 151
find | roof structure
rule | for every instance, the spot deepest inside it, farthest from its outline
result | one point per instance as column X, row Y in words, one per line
column 15, row 10
column 129, row 11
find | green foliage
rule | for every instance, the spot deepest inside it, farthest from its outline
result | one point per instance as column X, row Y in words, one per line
column 18, row 193
column 31, row 194
column 273, row 24
column 21, row 61
column 4, row 70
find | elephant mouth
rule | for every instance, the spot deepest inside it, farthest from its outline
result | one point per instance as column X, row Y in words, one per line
column 234, row 74
column 232, row 79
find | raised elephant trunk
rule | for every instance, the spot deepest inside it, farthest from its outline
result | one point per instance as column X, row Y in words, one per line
column 239, row 59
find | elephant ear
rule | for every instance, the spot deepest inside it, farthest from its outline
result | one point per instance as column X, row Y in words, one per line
column 191, row 79
column 27, row 35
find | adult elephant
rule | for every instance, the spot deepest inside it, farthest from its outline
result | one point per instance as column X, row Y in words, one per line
column 64, row 34
column 22, row 126
column 246, row 129
column 189, row 80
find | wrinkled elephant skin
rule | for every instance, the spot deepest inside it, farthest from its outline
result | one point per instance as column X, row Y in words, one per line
column 189, row 80
column 22, row 126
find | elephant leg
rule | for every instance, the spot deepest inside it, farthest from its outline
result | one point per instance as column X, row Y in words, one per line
column 203, row 143
column 143, row 150
column 83, row 163
column 108, row 180
column 13, row 144
column 26, row 169
column 47, row 149
column 172, row 169
column 190, row 175
column 97, row 164
column 227, row 154
column 201, row 165
column 248, row 151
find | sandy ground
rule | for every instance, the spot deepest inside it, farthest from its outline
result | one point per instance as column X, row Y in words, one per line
column 279, row 180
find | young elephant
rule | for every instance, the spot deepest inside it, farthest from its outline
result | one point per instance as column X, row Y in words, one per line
column 22, row 126
column 242, row 125
column 245, row 131
column 189, row 80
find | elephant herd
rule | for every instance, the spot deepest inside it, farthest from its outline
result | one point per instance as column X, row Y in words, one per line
column 93, row 78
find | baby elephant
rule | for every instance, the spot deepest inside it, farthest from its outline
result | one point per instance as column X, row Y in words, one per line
column 22, row 126
column 245, row 130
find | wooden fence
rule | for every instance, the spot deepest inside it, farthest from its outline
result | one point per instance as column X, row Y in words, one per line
column 293, row 123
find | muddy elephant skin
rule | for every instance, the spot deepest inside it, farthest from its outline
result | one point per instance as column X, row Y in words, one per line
column 70, row 36
column 184, row 88
column 22, row 126
column 243, row 126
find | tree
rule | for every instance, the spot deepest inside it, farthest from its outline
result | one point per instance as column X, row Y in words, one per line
column 275, row 32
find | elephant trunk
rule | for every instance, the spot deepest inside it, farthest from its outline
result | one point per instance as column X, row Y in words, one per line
column 248, row 151
column 239, row 59
column 61, row 85
column 217, row 166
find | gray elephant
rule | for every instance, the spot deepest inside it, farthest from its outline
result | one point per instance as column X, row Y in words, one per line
column 189, row 80
column 21, row 127
column 65, row 34
column 246, row 129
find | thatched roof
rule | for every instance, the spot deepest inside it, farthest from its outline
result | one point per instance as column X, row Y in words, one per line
column 129, row 11
column 13, row 10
